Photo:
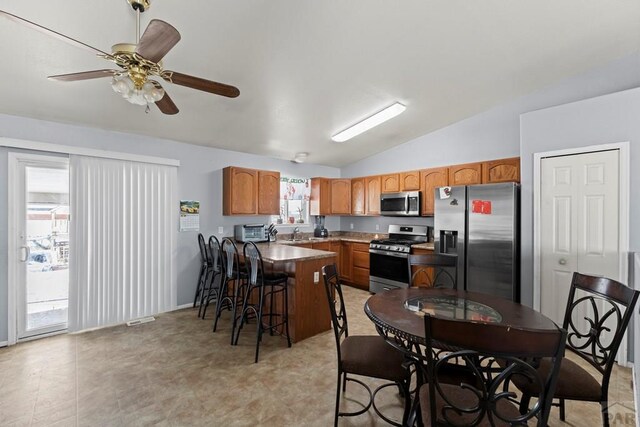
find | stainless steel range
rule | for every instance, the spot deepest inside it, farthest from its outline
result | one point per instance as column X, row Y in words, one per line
column 389, row 265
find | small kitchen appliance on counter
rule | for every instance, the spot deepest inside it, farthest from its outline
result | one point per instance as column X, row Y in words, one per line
column 251, row 233
column 318, row 229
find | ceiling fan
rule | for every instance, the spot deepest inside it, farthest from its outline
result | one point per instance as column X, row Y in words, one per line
column 138, row 63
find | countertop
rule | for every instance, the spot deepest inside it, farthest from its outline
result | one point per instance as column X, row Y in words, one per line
column 353, row 239
column 306, row 240
column 276, row 252
column 430, row 246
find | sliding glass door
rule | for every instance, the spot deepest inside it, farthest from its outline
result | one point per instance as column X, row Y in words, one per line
column 41, row 203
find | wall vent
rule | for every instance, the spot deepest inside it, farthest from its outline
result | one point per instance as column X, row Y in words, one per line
column 140, row 321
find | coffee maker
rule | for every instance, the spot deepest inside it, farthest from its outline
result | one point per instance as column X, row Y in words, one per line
column 319, row 230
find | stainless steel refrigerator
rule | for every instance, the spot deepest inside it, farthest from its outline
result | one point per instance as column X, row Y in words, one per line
column 481, row 224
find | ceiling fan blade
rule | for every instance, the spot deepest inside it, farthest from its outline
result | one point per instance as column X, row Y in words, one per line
column 84, row 75
column 201, row 84
column 166, row 105
column 52, row 33
column 157, row 40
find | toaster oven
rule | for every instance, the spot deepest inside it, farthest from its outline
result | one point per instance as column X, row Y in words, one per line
column 251, row 233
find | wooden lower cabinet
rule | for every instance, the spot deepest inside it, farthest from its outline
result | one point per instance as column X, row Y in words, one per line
column 421, row 277
column 352, row 259
column 346, row 263
column 321, row 246
column 360, row 260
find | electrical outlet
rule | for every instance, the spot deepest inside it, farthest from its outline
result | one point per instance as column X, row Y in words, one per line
column 220, row 230
column 377, row 227
column 316, row 276
column 351, row 226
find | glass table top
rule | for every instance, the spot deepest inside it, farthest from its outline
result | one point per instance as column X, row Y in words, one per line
column 454, row 308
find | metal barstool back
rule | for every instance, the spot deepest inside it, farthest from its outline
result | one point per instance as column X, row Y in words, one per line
column 212, row 287
column 204, row 269
column 231, row 274
column 269, row 286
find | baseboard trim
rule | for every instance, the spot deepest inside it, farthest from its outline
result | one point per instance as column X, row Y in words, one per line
column 180, row 307
column 4, row 343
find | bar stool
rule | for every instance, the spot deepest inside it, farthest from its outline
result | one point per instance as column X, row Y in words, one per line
column 269, row 286
column 204, row 269
column 212, row 290
column 228, row 297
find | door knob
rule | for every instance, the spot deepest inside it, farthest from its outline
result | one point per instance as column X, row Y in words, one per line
column 562, row 261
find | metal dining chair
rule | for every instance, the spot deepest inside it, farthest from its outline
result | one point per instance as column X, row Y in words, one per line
column 607, row 306
column 493, row 354
column 363, row 355
column 433, row 270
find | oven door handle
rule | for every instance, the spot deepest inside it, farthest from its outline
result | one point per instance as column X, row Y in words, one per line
column 393, row 254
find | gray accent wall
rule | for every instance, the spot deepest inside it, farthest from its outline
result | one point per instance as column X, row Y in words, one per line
column 496, row 133
column 601, row 120
column 199, row 178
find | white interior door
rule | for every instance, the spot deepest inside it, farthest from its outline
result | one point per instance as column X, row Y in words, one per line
column 40, row 249
column 579, row 220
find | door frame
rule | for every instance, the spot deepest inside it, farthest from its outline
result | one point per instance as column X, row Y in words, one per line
column 13, row 216
column 623, row 219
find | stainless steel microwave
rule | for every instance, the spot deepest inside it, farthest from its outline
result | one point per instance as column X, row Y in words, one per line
column 405, row 203
column 251, row 233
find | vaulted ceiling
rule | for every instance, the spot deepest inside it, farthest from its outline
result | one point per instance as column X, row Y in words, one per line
column 308, row 69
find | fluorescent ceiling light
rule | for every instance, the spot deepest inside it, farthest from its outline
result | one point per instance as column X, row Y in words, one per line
column 373, row 121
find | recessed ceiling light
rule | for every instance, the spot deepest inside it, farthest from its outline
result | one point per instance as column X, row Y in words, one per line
column 373, row 121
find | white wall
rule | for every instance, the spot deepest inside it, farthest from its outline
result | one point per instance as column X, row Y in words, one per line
column 199, row 178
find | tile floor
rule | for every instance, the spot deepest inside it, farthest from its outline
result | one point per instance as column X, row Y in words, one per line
column 176, row 372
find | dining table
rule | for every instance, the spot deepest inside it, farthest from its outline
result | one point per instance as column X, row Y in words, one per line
column 398, row 313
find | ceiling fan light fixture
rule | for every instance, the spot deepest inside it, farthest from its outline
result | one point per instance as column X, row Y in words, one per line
column 147, row 94
column 370, row 122
column 151, row 92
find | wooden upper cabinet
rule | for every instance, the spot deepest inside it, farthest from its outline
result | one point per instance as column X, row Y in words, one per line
column 410, row 181
column 430, row 179
column 502, row 170
column 240, row 191
column 358, row 196
column 320, row 201
column 390, row 183
column 268, row 193
column 372, row 185
column 467, row 174
column 341, row 196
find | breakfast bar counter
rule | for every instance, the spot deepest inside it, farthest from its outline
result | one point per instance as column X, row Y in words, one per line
column 308, row 307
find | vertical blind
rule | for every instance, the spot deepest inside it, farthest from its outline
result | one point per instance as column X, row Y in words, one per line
column 122, row 241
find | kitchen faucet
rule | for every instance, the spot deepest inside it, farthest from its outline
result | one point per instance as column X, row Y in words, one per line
column 296, row 230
